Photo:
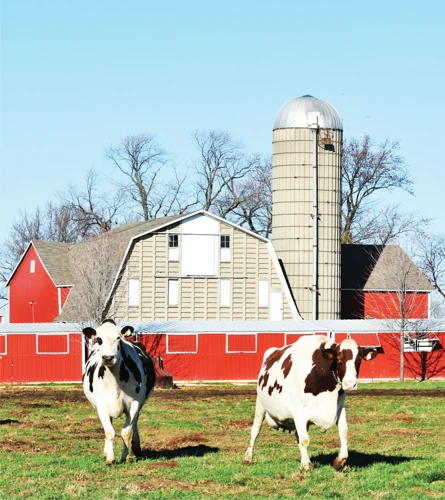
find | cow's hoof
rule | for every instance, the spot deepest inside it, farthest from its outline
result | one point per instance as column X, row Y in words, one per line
column 247, row 462
column 109, row 462
column 306, row 467
column 339, row 463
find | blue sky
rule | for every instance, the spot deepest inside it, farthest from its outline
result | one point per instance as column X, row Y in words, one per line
column 77, row 76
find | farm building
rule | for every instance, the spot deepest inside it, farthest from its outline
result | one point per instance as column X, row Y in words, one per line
column 194, row 282
column 217, row 350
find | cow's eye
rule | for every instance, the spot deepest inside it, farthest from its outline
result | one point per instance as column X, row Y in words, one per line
column 99, row 341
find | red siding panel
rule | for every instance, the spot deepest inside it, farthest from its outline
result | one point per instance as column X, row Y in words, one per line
column 240, row 342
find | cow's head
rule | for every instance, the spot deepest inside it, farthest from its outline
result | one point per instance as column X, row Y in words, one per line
column 346, row 359
column 108, row 340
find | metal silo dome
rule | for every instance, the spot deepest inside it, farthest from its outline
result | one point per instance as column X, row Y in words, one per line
column 300, row 113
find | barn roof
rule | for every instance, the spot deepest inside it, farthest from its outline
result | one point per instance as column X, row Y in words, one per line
column 380, row 267
column 303, row 326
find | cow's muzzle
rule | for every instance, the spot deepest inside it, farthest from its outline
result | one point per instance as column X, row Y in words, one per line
column 350, row 386
column 108, row 360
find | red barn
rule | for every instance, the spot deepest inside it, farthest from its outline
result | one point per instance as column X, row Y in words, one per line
column 218, row 350
column 40, row 283
column 381, row 282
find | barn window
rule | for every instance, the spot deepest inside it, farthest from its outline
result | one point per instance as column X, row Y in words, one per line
column 32, row 267
column 225, row 293
column 241, row 343
column 263, row 293
column 225, row 248
column 173, row 292
column 53, row 344
column 182, row 343
column 133, row 293
column 3, row 344
column 173, row 247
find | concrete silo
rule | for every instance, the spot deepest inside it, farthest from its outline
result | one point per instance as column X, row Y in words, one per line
column 306, row 183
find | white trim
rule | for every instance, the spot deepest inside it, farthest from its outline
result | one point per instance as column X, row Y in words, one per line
column 67, row 335
column 167, row 349
column 172, row 292
column 6, row 344
column 388, row 290
column 285, row 288
column 59, row 299
column 243, row 334
column 225, row 293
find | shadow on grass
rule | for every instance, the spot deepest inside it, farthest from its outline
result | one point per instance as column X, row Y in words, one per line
column 8, row 421
column 186, row 451
column 357, row 459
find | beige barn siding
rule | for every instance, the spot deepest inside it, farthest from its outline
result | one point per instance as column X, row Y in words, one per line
column 199, row 298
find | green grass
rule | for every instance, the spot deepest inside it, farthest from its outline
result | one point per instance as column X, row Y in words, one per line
column 194, row 440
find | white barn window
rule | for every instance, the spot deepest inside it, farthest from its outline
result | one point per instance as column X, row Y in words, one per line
column 173, row 292
column 225, row 248
column 173, row 247
column 32, row 267
column 225, row 295
column 133, row 293
column 263, row 293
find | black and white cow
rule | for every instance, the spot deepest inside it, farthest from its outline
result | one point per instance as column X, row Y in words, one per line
column 118, row 379
column 305, row 383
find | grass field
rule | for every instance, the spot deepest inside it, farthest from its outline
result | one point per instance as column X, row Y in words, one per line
column 194, row 440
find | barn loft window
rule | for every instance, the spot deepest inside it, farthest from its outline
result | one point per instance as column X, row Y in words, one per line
column 241, row 343
column 133, row 293
column 173, row 247
column 173, row 292
column 225, row 248
column 32, row 267
column 263, row 293
column 225, row 295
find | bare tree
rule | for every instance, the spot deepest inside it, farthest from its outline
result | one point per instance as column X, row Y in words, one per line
column 53, row 223
column 388, row 224
column 253, row 195
column 140, row 159
column 432, row 260
column 221, row 162
column 94, row 211
column 368, row 169
column 93, row 264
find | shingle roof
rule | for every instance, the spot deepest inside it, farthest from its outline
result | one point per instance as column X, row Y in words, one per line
column 378, row 267
column 55, row 258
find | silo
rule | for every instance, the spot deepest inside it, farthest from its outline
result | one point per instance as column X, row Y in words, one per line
column 306, row 217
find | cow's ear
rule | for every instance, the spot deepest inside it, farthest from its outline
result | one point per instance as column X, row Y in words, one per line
column 369, row 354
column 89, row 332
column 127, row 331
column 329, row 353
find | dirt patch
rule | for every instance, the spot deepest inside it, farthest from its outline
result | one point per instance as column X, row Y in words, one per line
column 428, row 393
column 165, row 464
column 26, row 447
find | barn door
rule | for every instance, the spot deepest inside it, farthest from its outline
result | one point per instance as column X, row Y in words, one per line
column 276, row 306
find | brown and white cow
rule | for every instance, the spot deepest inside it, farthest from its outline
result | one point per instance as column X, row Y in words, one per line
column 305, row 383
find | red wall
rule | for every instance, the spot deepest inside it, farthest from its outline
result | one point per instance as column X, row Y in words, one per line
column 190, row 357
column 41, row 358
column 37, row 287
column 211, row 362
column 356, row 304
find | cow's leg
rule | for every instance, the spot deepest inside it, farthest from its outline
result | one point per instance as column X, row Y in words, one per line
column 136, row 442
column 127, row 431
column 109, row 433
column 340, row 461
column 303, row 440
column 258, row 420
